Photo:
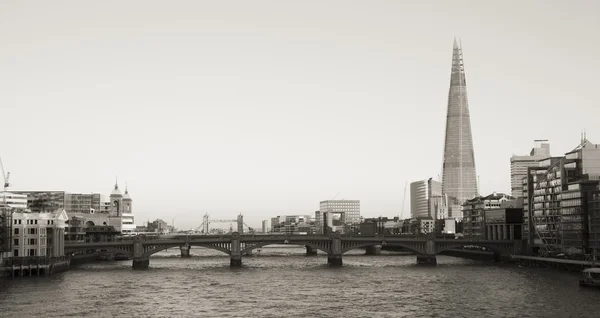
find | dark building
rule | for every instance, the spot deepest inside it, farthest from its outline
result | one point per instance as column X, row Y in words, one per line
column 503, row 224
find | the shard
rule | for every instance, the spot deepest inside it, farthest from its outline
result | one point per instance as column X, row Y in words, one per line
column 459, row 179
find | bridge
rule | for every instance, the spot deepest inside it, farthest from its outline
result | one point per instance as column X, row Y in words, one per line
column 334, row 245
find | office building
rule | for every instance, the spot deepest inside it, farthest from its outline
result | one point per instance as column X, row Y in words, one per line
column 519, row 165
column 348, row 210
column 459, row 177
column 426, row 199
column 561, row 205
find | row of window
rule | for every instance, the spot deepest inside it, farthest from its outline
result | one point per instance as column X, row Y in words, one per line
column 32, row 222
column 30, row 241
column 30, row 252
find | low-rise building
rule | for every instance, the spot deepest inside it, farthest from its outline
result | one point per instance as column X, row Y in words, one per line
column 503, row 224
column 474, row 213
column 38, row 234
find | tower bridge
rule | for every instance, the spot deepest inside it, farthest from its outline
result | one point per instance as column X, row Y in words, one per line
column 334, row 245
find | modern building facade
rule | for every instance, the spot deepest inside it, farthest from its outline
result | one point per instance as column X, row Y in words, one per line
column 519, row 165
column 13, row 200
column 459, row 177
column 293, row 224
column 348, row 209
column 427, row 200
column 561, row 203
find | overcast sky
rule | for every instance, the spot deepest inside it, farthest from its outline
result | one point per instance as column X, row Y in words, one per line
column 267, row 107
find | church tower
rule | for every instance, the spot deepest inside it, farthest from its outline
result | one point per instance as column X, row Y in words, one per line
column 127, row 201
column 116, row 201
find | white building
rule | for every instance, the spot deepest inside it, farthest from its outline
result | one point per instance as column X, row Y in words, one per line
column 121, row 213
column 426, row 200
column 349, row 209
column 38, row 234
column 519, row 165
column 13, row 200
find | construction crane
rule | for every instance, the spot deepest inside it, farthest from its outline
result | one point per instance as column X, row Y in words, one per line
column 403, row 200
column 5, row 175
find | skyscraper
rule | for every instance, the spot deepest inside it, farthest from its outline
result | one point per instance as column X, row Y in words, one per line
column 459, row 179
column 519, row 165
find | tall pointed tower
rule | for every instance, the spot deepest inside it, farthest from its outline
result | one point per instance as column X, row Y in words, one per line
column 459, row 179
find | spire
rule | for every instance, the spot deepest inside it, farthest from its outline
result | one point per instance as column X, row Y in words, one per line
column 458, row 68
column 126, row 192
column 116, row 183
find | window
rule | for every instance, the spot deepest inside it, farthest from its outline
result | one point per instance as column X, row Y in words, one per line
column 16, row 253
column 16, row 231
column 31, row 252
column 16, row 242
column 32, row 241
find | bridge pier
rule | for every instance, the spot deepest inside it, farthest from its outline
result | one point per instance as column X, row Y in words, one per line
column 185, row 251
column 235, row 261
column 310, row 251
column 141, row 263
column 373, row 250
column 429, row 259
column 236, row 251
column 334, row 260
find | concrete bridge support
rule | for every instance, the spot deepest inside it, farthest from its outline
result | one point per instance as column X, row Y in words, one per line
column 335, row 258
column 373, row 250
column 185, row 251
column 429, row 259
column 310, row 251
column 236, row 251
column 141, row 263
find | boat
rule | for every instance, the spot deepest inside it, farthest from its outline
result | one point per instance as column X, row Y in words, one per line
column 590, row 277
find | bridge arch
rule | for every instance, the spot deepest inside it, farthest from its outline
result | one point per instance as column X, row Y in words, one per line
column 363, row 245
column 167, row 246
column 249, row 247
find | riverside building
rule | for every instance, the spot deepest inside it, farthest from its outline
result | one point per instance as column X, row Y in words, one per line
column 561, row 207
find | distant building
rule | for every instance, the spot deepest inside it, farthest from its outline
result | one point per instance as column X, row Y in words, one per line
column 426, row 200
column 319, row 223
column 13, row 200
column 519, row 165
column 293, row 224
column 474, row 213
column 158, row 226
column 349, row 210
column 266, row 226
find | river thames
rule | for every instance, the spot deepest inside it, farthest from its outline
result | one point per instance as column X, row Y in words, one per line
column 282, row 282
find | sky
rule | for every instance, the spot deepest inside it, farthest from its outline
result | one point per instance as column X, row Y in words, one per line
column 266, row 108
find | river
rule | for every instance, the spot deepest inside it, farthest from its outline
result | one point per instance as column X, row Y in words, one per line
column 282, row 282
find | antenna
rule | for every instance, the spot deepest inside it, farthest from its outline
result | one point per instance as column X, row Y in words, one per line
column 335, row 196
